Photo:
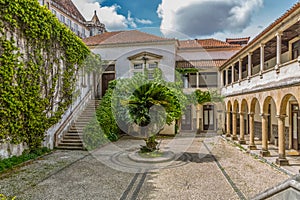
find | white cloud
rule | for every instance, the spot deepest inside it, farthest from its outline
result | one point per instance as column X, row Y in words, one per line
column 130, row 20
column 206, row 17
column 143, row 21
column 107, row 15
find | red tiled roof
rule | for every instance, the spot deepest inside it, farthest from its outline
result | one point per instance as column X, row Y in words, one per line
column 200, row 63
column 98, row 39
column 69, row 7
column 206, row 44
column 120, row 37
column 266, row 30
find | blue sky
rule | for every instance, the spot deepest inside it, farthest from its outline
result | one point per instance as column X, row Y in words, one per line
column 183, row 19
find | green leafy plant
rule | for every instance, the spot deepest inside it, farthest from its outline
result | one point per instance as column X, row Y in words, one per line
column 105, row 115
column 9, row 163
column 39, row 60
column 3, row 197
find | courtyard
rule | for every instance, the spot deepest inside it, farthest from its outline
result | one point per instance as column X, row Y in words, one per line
column 205, row 166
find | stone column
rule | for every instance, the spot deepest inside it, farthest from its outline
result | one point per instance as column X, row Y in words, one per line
column 278, row 51
column 281, row 160
column 262, row 58
column 234, row 125
column 197, row 80
column 222, row 78
column 198, row 118
column 240, row 70
column 185, row 81
column 226, row 80
column 232, row 74
column 252, row 145
column 242, row 128
column 249, row 65
column 228, row 124
column 264, row 123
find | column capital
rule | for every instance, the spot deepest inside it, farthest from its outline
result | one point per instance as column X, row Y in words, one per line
column 251, row 113
column 240, row 59
column 262, row 45
column 281, row 116
column 250, row 53
column 264, row 114
column 242, row 113
column 279, row 33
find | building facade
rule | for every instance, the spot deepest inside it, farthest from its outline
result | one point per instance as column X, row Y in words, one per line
column 206, row 56
column 68, row 14
column 261, row 84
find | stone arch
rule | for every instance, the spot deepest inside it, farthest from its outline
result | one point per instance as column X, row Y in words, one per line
column 253, row 104
column 244, row 106
column 235, row 106
column 229, row 106
column 266, row 103
column 284, row 103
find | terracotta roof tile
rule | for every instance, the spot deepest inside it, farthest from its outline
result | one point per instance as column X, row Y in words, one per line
column 200, row 63
column 120, row 37
column 98, row 39
column 206, row 44
column 69, row 7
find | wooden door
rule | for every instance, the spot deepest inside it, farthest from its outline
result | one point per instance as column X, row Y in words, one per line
column 105, row 81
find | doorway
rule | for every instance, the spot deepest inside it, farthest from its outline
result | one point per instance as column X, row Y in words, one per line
column 208, row 117
column 106, row 77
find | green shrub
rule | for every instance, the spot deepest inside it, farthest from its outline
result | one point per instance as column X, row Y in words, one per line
column 9, row 163
column 105, row 115
column 93, row 135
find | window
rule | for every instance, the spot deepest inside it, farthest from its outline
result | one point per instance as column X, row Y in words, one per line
column 153, row 65
column 208, row 79
column 62, row 19
column 69, row 23
column 54, row 12
column 76, row 28
column 83, row 32
column 296, row 49
column 138, row 66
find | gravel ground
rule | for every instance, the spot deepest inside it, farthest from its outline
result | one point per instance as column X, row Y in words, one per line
column 108, row 173
column 249, row 174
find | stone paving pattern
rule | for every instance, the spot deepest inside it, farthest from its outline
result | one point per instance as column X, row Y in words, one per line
column 107, row 173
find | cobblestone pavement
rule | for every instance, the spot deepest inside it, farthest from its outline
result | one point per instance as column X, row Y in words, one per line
column 205, row 167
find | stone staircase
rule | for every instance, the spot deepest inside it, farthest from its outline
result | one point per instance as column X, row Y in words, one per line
column 72, row 139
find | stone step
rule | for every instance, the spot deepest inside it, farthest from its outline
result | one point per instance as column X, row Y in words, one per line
column 77, row 144
column 67, row 140
column 70, row 148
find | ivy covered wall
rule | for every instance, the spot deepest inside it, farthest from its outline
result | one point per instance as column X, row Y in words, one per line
column 39, row 59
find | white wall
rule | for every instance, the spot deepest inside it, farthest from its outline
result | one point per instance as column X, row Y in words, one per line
column 123, row 65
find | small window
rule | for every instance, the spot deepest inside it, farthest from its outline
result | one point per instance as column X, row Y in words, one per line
column 54, row 12
column 138, row 66
column 76, row 27
column 69, row 23
column 150, row 75
column 62, row 19
column 153, row 65
column 296, row 49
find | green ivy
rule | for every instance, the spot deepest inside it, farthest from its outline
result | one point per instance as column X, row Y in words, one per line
column 38, row 54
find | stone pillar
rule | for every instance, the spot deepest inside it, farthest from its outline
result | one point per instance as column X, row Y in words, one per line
column 242, row 128
column 232, row 74
column 278, row 51
column 185, row 81
column 228, row 124
column 281, row 160
column 249, row 65
column 264, row 122
column 197, row 80
column 198, row 118
column 222, row 78
column 226, row 80
column 252, row 145
column 240, row 70
column 262, row 58
column 234, row 125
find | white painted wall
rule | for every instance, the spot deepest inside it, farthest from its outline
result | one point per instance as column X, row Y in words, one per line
column 120, row 54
